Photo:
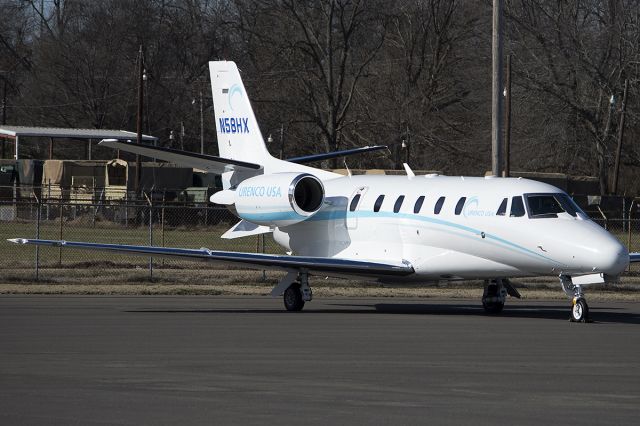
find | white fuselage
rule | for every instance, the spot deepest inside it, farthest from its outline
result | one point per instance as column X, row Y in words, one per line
column 472, row 241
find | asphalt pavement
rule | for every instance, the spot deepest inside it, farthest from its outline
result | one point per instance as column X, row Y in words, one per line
column 158, row 360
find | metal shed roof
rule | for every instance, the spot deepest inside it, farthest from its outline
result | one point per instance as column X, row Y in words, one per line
column 57, row 132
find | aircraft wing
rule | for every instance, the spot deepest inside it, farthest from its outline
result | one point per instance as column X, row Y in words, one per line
column 634, row 257
column 204, row 162
column 317, row 265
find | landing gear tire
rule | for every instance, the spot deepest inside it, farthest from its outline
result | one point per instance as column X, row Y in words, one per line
column 579, row 310
column 493, row 307
column 293, row 301
column 494, row 296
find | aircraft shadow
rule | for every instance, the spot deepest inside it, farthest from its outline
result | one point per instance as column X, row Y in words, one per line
column 553, row 312
column 537, row 311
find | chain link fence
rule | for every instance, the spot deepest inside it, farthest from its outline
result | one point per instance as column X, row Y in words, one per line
column 116, row 223
column 164, row 225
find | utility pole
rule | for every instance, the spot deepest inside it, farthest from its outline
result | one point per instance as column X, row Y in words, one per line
column 201, row 125
column 408, row 144
column 182, row 135
column 281, row 140
column 616, row 168
column 507, row 120
column 4, row 111
column 496, row 107
column 139, row 120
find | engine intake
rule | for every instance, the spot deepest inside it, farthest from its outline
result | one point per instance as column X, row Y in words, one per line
column 279, row 199
column 306, row 194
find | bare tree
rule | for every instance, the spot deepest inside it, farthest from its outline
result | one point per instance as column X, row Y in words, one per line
column 331, row 74
column 418, row 77
column 325, row 48
column 573, row 53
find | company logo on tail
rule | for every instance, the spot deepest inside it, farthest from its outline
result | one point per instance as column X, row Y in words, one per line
column 234, row 124
column 234, row 90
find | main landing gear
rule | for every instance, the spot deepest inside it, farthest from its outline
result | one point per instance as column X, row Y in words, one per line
column 294, row 288
column 579, row 307
column 495, row 294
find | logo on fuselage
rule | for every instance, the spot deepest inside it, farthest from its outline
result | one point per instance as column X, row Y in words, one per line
column 260, row 191
column 471, row 209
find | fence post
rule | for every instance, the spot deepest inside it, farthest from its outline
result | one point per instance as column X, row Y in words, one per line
column 61, row 212
column 629, row 229
column 264, row 273
column 162, row 227
column 48, row 197
column 150, row 202
column 624, row 211
column 37, row 237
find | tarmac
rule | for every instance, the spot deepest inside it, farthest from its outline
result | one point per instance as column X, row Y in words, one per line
column 133, row 360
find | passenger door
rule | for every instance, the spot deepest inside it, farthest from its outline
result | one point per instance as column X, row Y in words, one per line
column 353, row 207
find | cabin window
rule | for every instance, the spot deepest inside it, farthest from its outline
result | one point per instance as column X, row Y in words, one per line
column 398, row 204
column 418, row 206
column 354, row 202
column 517, row 207
column 378, row 203
column 438, row 206
column 460, row 205
column 502, row 210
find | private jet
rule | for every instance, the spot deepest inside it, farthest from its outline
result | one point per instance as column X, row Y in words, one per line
column 409, row 229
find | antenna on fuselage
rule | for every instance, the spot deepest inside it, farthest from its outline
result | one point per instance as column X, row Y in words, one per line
column 407, row 169
column 347, row 167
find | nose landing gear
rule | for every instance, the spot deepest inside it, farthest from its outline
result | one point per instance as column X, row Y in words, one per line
column 579, row 307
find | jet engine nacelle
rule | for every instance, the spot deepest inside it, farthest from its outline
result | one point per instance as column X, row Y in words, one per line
column 279, row 199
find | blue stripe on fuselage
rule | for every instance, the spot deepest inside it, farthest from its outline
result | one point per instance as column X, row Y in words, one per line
column 328, row 215
column 341, row 215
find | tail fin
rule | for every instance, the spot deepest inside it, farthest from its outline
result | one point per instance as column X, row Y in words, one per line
column 239, row 136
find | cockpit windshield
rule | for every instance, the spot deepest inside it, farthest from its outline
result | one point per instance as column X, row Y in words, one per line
column 549, row 205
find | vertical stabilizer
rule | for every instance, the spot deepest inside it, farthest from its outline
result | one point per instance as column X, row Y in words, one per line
column 239, row 136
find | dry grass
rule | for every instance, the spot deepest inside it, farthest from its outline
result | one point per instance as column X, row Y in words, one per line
column 135, row 281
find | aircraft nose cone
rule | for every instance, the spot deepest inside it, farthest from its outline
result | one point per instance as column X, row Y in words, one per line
column 611, row 257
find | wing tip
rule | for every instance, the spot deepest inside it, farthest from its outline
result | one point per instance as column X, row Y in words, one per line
column 18, row 240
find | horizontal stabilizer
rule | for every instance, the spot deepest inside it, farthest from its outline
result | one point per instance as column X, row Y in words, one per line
column 245, row 229
column 330, row 155
column 204, row 162
column 312, row 265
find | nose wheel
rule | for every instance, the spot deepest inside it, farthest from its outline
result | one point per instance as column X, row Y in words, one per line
column 579, row 310
column 579, row 307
